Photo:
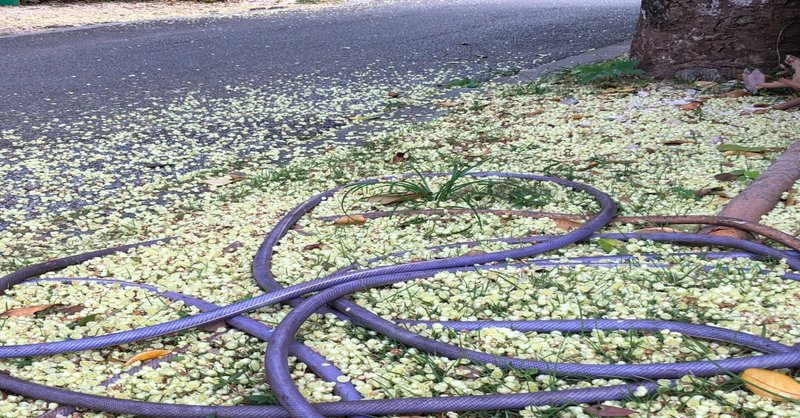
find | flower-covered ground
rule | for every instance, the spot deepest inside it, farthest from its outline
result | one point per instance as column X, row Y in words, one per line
column 28, row 17
column 645, row 144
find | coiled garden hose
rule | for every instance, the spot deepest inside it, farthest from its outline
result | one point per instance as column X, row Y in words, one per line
column 328, row 291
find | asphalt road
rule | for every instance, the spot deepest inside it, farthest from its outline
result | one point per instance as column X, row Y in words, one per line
column 89, row 114
column 66, row 71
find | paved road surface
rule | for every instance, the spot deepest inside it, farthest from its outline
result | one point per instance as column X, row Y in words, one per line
column 91, row 111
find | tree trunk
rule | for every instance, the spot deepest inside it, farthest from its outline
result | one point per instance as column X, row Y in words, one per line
column 714, row 39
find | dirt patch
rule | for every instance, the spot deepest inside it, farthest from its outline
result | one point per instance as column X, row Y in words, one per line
column 33, row 18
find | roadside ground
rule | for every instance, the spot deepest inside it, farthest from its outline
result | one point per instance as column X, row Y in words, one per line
column 653, row 146
column 52, row 15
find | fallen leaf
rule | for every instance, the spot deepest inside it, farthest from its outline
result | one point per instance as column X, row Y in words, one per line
column 534, row 112
column 26, row 311
column 394, row 94
column 704, row 84
column 310, row 247
column 659, row 229
column 567, row 224
column 736, row 94
column 609, row 244
column 752, row 79
column 726, row 176
column 236, row 175
column 448, row 103
column 214, row 326
column 577, row 117
column 71, row 309
column 690, row 106
column 770, row 384
column 399, row 158
column 392, row 198
column 232, row 247
column 608, row 411
column 742, row 148
column 726, row 233
column 219, row 181
column 679, row 142
column 147, row 355
column 708, row 190
column 474, row 252
column 350, row 220
column 86, row 319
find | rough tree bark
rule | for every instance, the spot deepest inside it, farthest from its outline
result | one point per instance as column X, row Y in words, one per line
column 713, row 39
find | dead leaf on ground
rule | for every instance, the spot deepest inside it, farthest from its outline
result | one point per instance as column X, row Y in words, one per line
column 534, row 112
column 71, row 309
column 232, row 247
column 748, row 154
column 214, row 326
column 392, row 198
column 147, row 355
column 726, row 176
column 771, row 384
column 474, row 252
column 707, row 191
column 752, row 79
column 448, row 103
column 726, row 233
column 394, row 94
column 219, row 181
column 673, row 142
column 316, row 246
column 350, row 220
column 577, row 117
column 659, row 229
column 567, row 224
column 736, row 94
column 26, row 311
column 691, row 106
column 399, row 157
column 608, row 411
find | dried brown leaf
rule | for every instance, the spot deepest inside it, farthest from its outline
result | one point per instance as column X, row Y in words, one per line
column 232, row 247
column 534, row 112
column 608, row 411
column 691, row 106
column 736, row 94
column 673, row 142
column 350, row 220
column 726, row 176
column 707, row 191
column 392, row 198
column 399, row 158
column 567, row 224
column 26, row 311
column 315, row 246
